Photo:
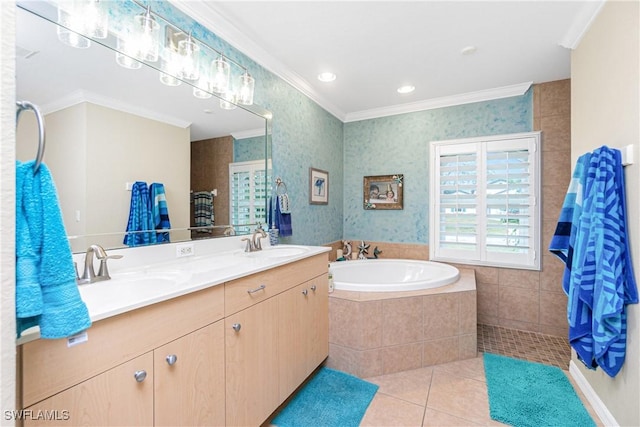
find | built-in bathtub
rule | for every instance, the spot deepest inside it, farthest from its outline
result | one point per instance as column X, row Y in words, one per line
column 389, row 316
column 392, row 275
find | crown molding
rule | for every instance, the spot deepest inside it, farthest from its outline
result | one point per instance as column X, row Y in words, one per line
column 446, row 101
column 208, row 15
column 581, row 23
column 251, row 133
column 80, row 96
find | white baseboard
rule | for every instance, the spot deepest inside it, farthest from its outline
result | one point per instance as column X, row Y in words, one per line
column 598, row 406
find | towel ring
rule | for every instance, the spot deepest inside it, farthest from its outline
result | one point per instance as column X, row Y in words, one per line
column 280, row 183
column 26, row 105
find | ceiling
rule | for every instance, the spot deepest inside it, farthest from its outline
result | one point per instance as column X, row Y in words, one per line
column 374, row 47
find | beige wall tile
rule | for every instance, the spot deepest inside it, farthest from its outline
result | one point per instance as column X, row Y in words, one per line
column 401, row 321
column 548, row 229
column 341, row 358
column 370, row 324
column 518, row 304
column 555, row 98
column 368, row 363
column 441, row 351
column 562, row 331
column 441, row 316
column 401, row 358
column 515, row 324
column 526, row 279
column 468, row 346
column 552, row 200
column 468, row 313
column 551, row 274
column 486, row 274
column 556, row 133
column 344, row 322
column 553, row 309
column 487, row 299
column 488, row 320
column 556, row 168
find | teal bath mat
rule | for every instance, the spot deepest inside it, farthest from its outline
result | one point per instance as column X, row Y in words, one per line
column 330, row 399
column 524, row 394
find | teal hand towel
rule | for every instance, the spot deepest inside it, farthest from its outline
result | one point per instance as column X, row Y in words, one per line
column 46, row 291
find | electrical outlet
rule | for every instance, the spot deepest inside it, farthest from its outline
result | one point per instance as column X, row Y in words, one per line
column 184, row 250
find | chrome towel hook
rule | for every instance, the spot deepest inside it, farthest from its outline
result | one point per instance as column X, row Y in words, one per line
column 26, row 105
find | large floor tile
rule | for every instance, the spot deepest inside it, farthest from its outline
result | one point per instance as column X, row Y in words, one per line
column 459, row 396
column 469, row 368
column 388, row 411
column 412, row 386
column 433, row 418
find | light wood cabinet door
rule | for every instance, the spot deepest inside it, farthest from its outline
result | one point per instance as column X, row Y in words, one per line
column 113, row 398
column 251, row 343
column 293, row 340
column 317, row 322
column 189, row 379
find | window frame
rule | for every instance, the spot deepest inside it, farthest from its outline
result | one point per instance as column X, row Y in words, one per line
column 480, row 255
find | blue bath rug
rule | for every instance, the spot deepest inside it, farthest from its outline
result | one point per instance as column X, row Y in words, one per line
column 330, row 399
column 527, row 394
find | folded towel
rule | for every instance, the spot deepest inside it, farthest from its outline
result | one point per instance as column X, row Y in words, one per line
column 46, row 291
column 203, row 210
column 160, row 211
column 283, row 222
column 140, row 217
column 283, row 203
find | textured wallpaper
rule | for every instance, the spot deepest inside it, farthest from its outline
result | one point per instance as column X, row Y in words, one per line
column 400, row 145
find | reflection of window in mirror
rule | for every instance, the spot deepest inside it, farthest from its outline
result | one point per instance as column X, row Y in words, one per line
column 248, row 195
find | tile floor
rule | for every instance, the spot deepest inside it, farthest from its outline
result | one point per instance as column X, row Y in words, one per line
column 455, row 394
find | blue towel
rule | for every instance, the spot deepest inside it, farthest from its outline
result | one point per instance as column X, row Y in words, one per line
column 140, row 217
column 598, row 278
column 160, row 211
column 281, row 221
column 46, row 291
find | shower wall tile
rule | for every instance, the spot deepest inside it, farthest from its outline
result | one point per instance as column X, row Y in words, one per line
column 556, row 168
column 371, row 324
column 555, row 98
column 487, row 294
column 557, row 133
column 552, row 200
column 344, row 323
column 553, row 309
column 369, row 363
column 519, row 278
column 468, row 346
column 551, row 275
column 520, row 305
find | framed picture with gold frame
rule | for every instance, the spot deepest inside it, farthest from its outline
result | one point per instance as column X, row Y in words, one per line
column 383, row 192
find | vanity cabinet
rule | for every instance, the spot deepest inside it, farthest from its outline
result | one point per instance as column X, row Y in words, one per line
column 270, row 322
column 226, row 355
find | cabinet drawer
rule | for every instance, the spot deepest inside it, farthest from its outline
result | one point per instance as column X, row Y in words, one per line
column 242, row 293
column 50, row 366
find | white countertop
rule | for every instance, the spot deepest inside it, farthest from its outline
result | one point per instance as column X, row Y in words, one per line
column 141, row 285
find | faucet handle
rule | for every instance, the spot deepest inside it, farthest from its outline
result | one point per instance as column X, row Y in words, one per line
column 104, row 270
column 249, row 247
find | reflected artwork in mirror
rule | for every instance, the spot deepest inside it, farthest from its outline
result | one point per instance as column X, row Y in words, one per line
column 109, row 127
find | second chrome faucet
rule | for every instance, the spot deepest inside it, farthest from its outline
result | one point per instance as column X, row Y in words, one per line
column 89, row 275
column 253, row 242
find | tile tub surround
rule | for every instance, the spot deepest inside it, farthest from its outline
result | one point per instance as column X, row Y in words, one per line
column 377, row 333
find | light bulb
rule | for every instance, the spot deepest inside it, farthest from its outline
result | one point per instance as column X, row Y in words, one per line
column 221, row 72
column 189, row 53
column 247, row 86
column 126, row 53
column 227, row 100
column 171, row 65
column 71, row 27
column 146, row 31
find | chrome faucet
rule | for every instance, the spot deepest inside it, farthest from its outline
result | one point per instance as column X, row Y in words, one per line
column 89, row 275
column 253, row 243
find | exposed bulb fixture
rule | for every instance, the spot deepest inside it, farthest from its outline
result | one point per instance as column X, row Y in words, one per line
column 221, row 72
column 227, row 102
column 126, row 53
column 247, row 87
column 326, row 77
column 170, row 63
column 189, row 53
column 80, row 18
column 202, row 89
column 406, row 89
column 145, row 33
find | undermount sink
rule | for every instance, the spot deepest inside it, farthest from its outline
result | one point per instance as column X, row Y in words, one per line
column 279, row 252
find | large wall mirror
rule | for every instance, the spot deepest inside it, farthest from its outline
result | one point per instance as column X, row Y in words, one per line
column 108, row 127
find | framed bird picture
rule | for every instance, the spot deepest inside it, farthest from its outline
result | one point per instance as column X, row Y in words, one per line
column 318, row 187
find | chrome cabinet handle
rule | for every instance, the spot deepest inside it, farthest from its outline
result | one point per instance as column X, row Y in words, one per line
column 236, row 327
column 305, row 292
column 313, row 288
column 171, row 359
column 140, row 375
column 259, row 288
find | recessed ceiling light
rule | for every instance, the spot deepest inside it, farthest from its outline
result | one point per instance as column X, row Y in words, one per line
column 468, row 50
column 326, row 77
column 406, row 89
column 208, row 111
